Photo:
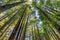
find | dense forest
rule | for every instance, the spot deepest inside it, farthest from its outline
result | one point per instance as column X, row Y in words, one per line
column 29, row 19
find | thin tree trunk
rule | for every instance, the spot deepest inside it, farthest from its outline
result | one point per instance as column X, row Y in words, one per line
column 8, row 6
column 16, row 27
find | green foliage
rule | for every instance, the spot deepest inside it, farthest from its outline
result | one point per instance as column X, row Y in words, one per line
column 18, row 18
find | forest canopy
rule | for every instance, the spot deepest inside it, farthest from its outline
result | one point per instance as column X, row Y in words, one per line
column 29, row 19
